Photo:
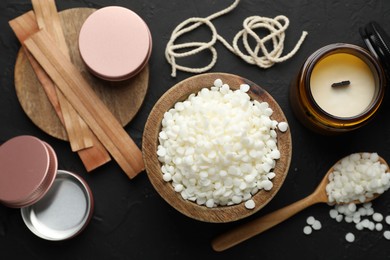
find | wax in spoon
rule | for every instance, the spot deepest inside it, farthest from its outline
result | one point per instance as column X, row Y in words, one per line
column 328, row 191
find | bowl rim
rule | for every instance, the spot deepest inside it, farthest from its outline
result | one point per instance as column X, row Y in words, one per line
column 180, row 92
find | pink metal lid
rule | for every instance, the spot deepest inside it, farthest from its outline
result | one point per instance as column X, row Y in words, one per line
column 115, row 43
column 28, row 168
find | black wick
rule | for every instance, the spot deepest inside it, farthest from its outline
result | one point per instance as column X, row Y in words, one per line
column 341, row 83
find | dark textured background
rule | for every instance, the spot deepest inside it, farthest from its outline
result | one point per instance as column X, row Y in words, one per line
column 131, row 221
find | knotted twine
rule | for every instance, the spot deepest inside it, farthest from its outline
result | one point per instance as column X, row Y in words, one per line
column 276, row 27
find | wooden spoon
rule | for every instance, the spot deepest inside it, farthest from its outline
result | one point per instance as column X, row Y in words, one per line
column 257, row 226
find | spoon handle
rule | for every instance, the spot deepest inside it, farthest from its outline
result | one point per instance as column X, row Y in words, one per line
column 259, row 225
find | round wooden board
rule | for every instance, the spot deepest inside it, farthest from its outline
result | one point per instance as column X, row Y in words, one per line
column 180, row 92
column 123, row 99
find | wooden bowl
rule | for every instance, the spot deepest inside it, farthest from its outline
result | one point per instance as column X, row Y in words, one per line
column 180, row 92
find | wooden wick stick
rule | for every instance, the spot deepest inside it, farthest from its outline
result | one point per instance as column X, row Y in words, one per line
column 341, row 83
column 76, row 89
column 24, row 26
column 47, row 17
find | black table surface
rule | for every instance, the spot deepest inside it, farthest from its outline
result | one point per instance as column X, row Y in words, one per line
column 130, row 220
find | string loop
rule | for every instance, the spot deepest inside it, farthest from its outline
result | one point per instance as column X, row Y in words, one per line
column 259, row 55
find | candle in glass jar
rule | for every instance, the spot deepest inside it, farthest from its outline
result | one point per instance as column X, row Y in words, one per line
column 358, row 80
column 353, row 85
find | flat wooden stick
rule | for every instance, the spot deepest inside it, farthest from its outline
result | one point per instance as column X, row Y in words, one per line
column 76, row 89
column 79, row 135
column 23, row 26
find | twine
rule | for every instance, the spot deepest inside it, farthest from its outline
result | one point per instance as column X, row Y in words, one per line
column 276, row 27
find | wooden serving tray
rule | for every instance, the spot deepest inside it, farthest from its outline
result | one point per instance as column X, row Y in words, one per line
column 123, row 99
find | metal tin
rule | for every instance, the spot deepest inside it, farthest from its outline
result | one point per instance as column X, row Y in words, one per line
column 27, row 170
column 55, row 204
column 115, row 43
column 64, row 211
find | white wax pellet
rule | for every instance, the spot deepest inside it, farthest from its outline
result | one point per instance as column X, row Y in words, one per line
column 386, row 234
column 271, row 175
column 201, row 200
column 359, row 226
column 371, row 225
column 350, row 237
column 378, row 226
column 367, row 205
column 179, row 106
column 339, row 218
column 236, row 199
column 267, row 167
column 250, row 204
column 161, row 151
column 356, row 214
column 243, row 185
column 163, row 135
column 210, row 203
column 317, row 225
column 268, row 111
column 167, row 177
column 333, row 213
column 374, row 157
column 179, row 188
column 283, row 126
column 246, row 196
column 225, row 88
column 352, row 207
column 267, row 185
column 363, row 211
column 365, row 223
column 249, row 178
column 378, row 217
column 387, row 220
column 275, row 154
column 370, row 211
column 244, row 87
column 203, row 175
column 307, row 230
column 355, row 157
column 348, row 219
column 310, row 220
column 356, row 219
column 341, row 208
column 218, row 83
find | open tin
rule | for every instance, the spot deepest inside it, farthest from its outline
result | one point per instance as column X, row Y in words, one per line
column 55, row 204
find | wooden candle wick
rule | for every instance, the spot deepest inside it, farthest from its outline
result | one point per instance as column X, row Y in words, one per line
column 341, row 83
column 85, row 101
column 24, row 26
column 47, row 17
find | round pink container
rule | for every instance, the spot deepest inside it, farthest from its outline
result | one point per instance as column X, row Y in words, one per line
column 115, row 43
column 55, row 204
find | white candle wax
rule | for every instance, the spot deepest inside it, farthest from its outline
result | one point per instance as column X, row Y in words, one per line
column 342, row 101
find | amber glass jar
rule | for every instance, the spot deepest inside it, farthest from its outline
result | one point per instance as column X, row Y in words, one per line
column 324, row 109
